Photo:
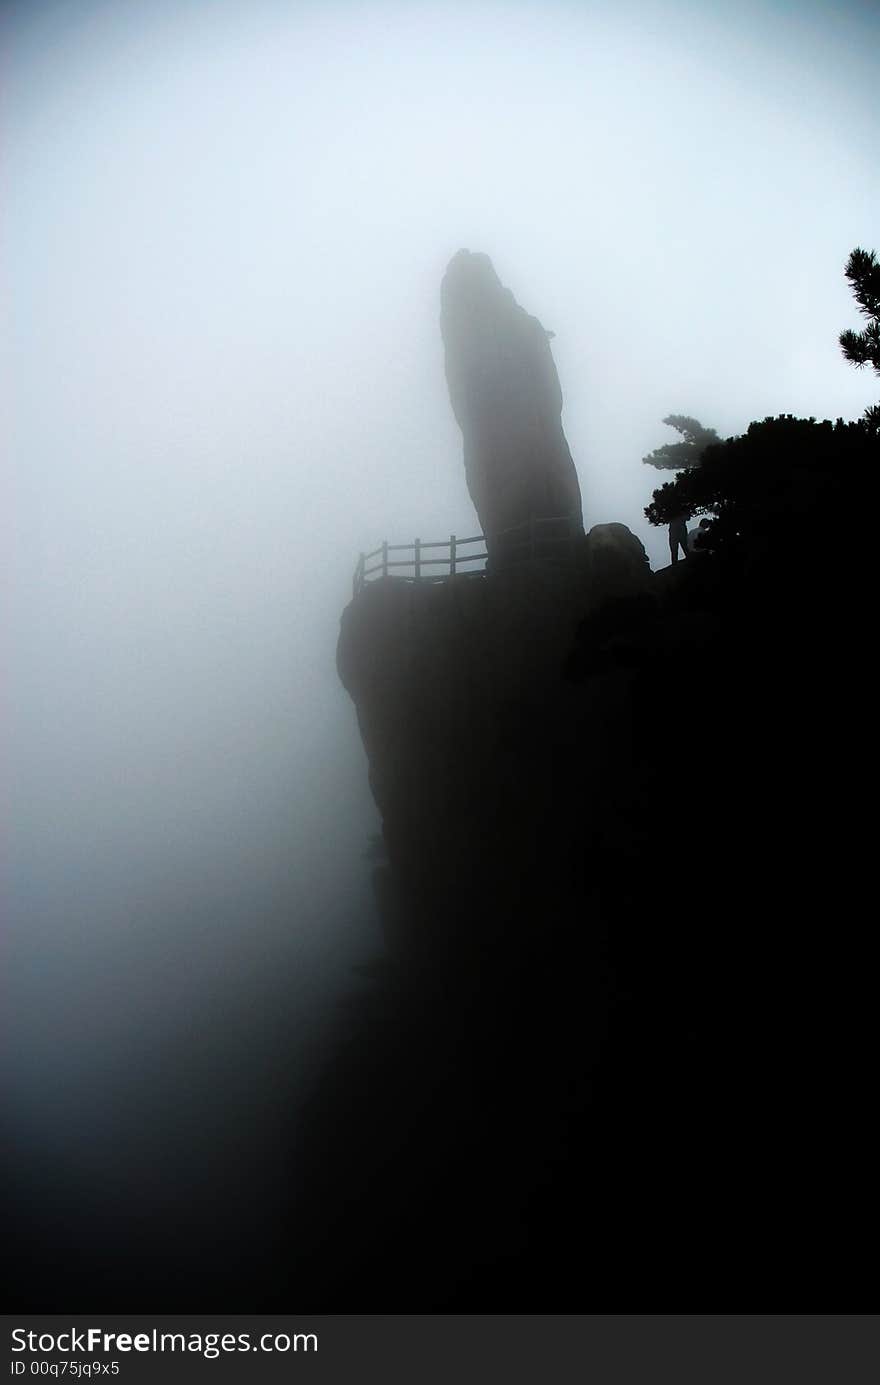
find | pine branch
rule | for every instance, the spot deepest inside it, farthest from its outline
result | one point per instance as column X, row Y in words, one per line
column 675, row 455
column 863, row 272
column 862, row 348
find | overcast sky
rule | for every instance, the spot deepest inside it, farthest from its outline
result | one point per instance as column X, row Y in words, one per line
column 224, row 230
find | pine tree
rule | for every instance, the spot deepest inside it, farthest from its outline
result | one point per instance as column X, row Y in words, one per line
column 863, row 273
column 863, row 348
column 773, row 486
column 676, row 456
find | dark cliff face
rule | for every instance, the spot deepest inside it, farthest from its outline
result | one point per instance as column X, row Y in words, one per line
column 589, row 1060
column 476, row 741
column 506, row 396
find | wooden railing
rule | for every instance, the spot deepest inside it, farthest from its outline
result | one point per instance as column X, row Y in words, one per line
column 537, row 538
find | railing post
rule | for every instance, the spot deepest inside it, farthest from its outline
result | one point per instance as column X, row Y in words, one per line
column 384, row 557
column 358, row 576
column 452, row 555
column 418, row 560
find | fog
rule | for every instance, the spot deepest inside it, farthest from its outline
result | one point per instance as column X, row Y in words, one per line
column 224, row 232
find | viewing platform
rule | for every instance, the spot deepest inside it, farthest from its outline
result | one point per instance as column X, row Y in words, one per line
column 553, row 539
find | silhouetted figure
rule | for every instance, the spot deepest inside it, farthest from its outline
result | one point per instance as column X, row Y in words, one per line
column 678, row 536
column 696, row 539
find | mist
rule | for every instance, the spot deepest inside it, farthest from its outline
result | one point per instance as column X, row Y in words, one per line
column 224, row 236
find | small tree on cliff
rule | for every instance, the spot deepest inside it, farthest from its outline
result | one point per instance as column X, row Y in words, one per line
column 778, row 487
column 676, row 455
column 863, row 348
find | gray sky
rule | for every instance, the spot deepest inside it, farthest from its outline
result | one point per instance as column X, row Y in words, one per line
column 224, row 232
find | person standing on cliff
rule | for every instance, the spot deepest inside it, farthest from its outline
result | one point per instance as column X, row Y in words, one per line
column 678, row 536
